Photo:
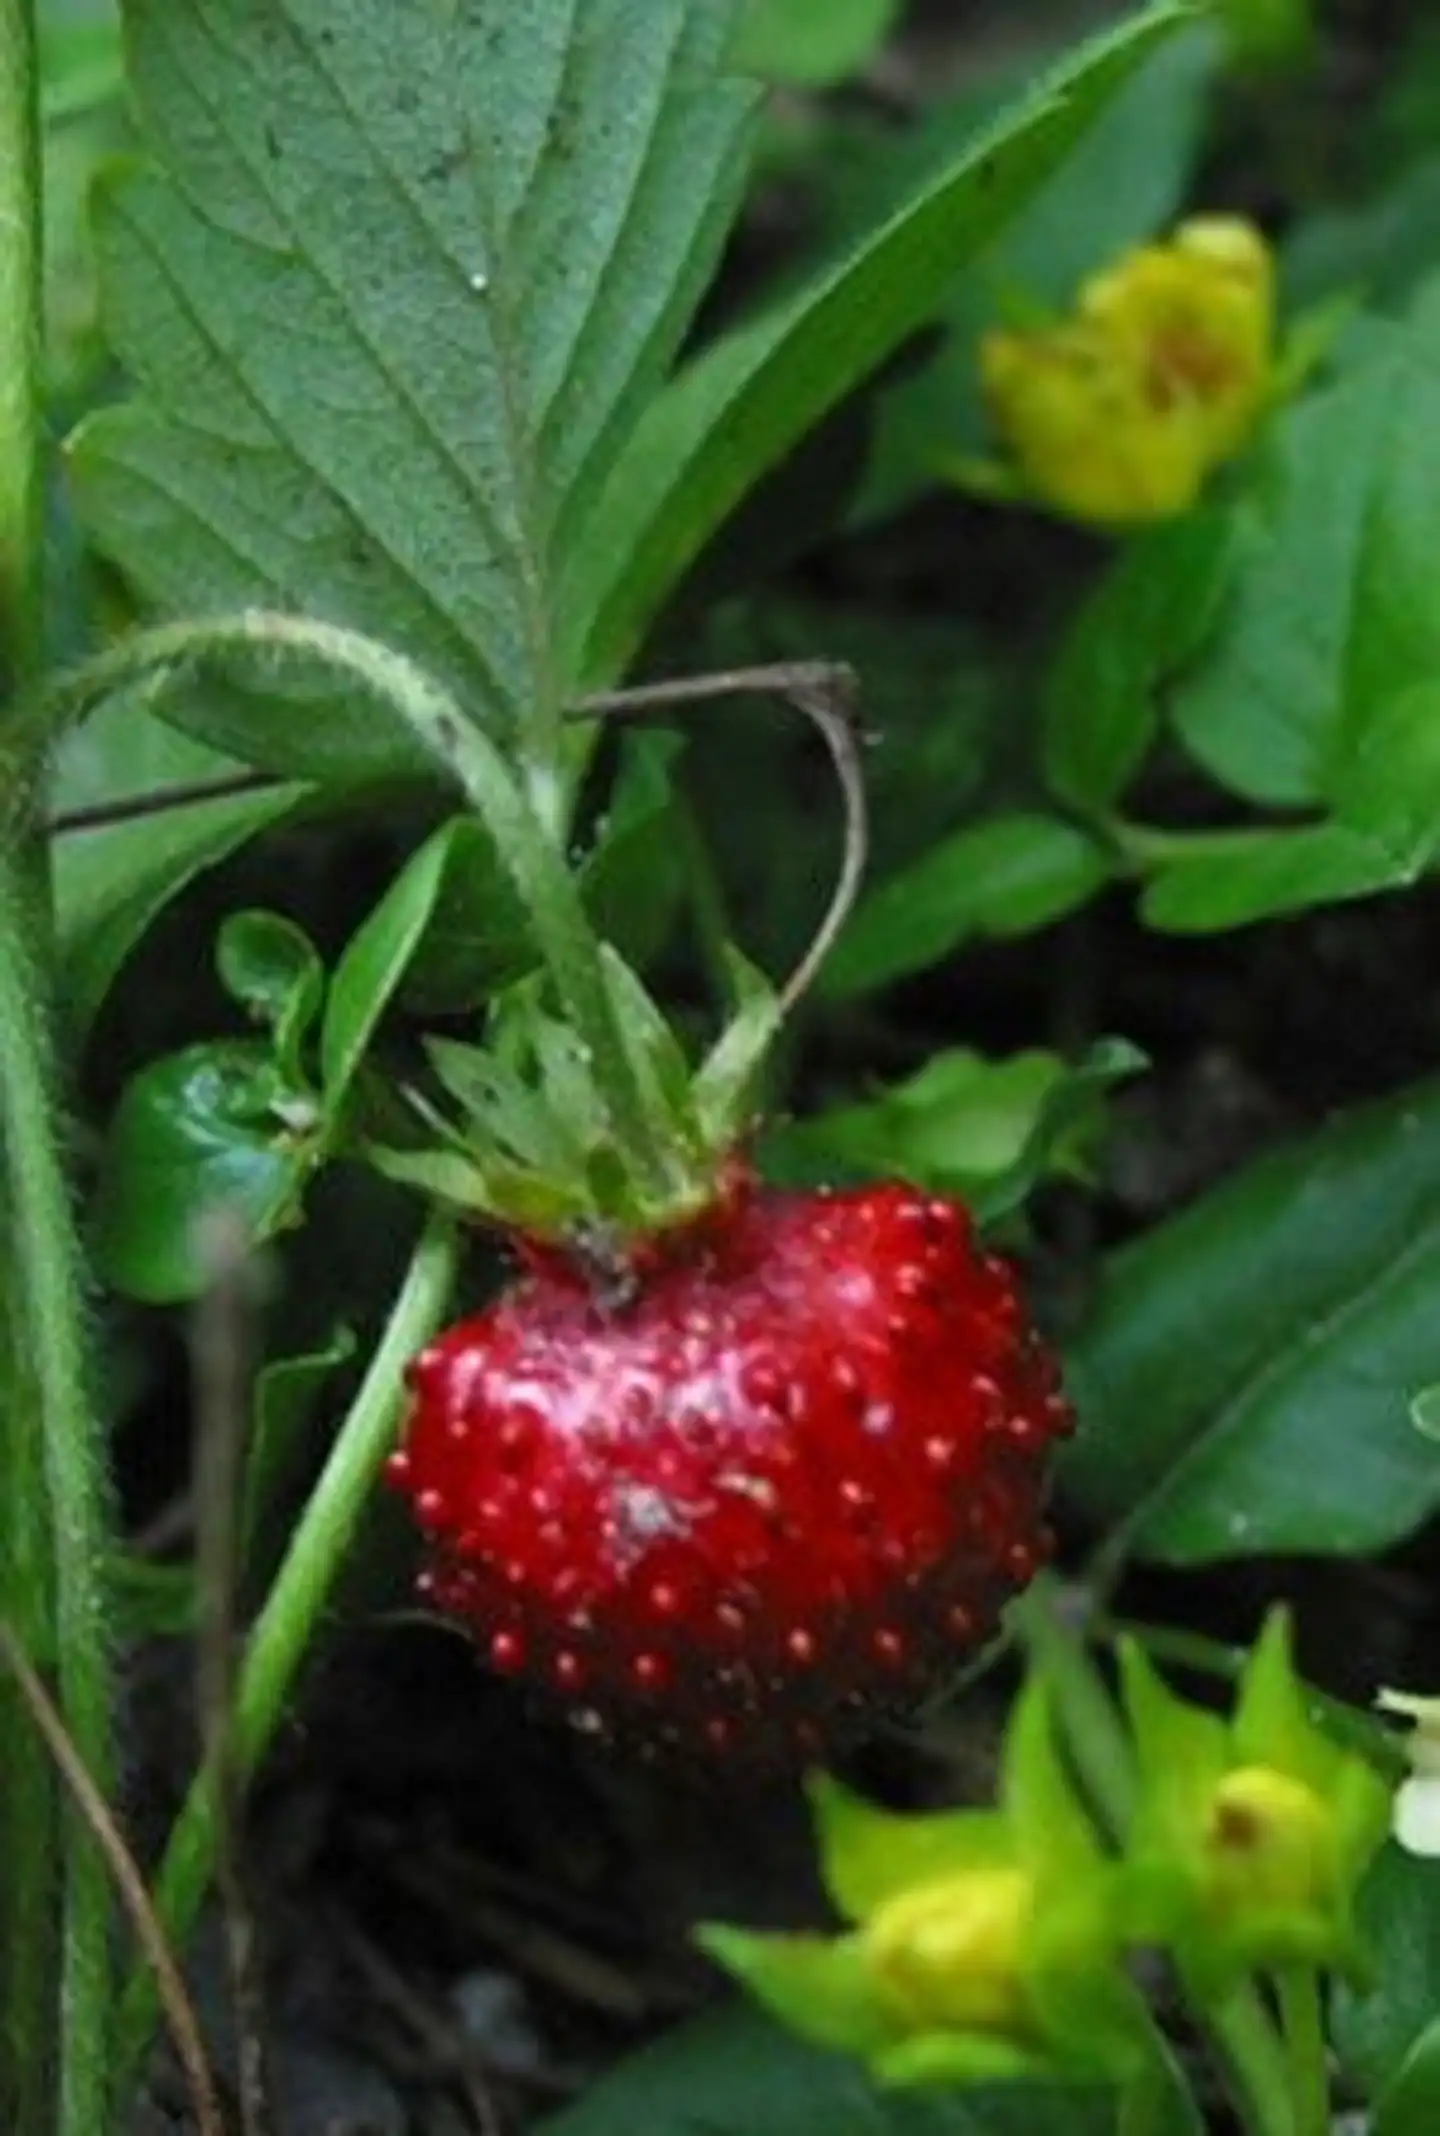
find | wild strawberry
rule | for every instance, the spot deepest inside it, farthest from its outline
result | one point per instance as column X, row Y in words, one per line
column 768, row 1488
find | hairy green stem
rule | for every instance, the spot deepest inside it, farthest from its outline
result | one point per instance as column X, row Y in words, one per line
column 53, row 1529
column 282, row 1632
column 22, row 625
column 56, row 1490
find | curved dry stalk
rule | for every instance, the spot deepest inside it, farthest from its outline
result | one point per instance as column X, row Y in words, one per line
column 129, row 1883
column 827, row 693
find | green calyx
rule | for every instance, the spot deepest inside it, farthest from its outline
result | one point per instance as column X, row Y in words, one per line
column 524, row 1130
column 1252, row 1835
column 982, row 1946
column 995, row 1944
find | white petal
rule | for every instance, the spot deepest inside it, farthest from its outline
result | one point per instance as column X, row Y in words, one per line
column 1417, row 1816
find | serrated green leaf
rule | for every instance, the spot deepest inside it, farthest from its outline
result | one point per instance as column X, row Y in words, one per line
column 745, row 403
column 1300, row 1296
column 215, row 1128
column 985, row 1129
column 1004, row 877
column 113, row 882
column 1068, row 1128
column 488, row 226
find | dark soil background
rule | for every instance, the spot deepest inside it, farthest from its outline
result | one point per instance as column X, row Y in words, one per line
column 467, row 1915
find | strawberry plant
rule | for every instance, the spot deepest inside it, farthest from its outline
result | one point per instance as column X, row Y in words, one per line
column 718, row 789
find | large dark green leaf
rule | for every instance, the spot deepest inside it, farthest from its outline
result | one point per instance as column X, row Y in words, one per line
column 393, row 299
column 737, row 2074
column 1245, row 1380
column 745, row 403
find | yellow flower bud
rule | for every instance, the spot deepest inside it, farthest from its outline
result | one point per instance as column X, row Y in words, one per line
column 1119, row 415
column 1270, row 1842
column 947, row 1956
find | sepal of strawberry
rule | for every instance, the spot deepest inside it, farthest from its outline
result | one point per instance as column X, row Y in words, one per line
column 981, row 1945
column 521, row 1133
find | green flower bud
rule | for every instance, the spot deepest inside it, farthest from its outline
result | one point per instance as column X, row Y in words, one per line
column 1250, row 1837
column 950, row 1956
column 985, row 1943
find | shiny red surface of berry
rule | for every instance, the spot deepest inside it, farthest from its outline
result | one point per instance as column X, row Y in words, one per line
column 772, row 1487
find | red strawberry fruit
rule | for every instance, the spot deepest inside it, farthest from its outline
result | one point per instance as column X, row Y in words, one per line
column 764, row 1488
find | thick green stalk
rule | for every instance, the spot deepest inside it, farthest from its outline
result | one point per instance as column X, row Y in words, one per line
column 21, row 463
column 1246, row 2037
column 52, row 1527
column 1303, row 2024
column 1105, row 1762
column 56, row 1500
column 277, row 1644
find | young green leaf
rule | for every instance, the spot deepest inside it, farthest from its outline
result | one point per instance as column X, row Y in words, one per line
column 1300, row 1296
column 378, row 961
column 1006, row 876
column 216, row 1127
column 1146, row 619
column 272, row 969
column 393, row 298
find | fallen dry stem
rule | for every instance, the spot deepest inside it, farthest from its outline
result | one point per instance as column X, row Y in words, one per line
column 175, row 2001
